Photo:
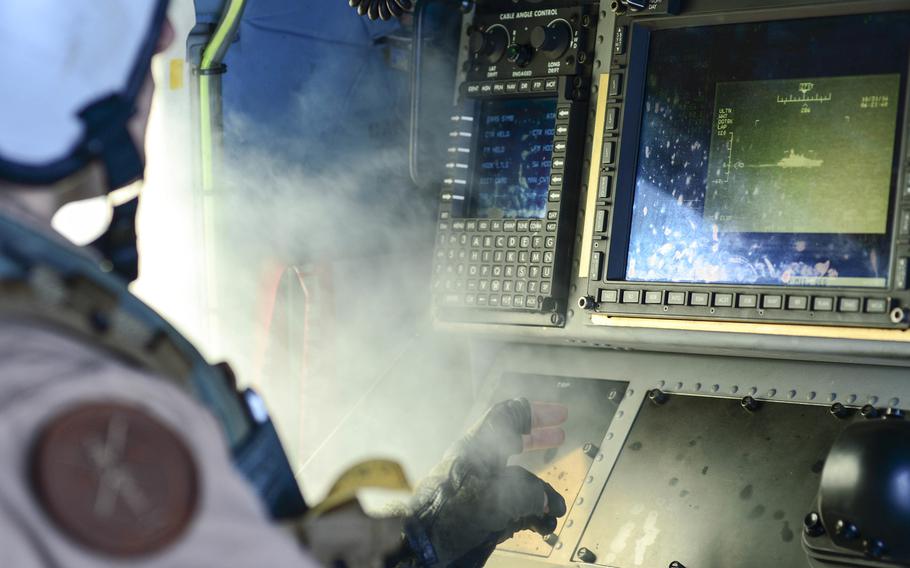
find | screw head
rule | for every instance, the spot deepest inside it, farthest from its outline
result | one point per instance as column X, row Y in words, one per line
column 894, row 414
column 846, row 529
column 812, row 524
column 749, row 403
column 838, row 410
column 868, row 411
column 657, row 396
column 874, row 548
column 586, row 556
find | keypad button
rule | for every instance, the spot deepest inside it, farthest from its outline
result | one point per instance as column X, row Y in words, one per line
column 509, row 271
column 483, row 226
column 476, row 241
column 471, row 226
column 463, row 239
column 535, row 227
column 495, row 286
column 496, row 226
column 548, row 257
column 518, row 301
column 500, row 242
column 509, row 226
column 546, row 272
column 485, row 271
column 511, row 256
column 536, row 256
column 520, row 286
column 486, row 256
column 512, row 242
column 550, row 242
column 544, row 288
column 552, row 215
column 494, row 301
column 532, row 287
column 488, row 241
column 472, row 285
column 482, row 299
column 506, row 300
column 537, row 242
column 483, row 285
column 522, row 226
column 499, row 256
column 551, row 227
column 496, row 271
column 524, row 242
column 474, row 256
column 521, row 272
column 524, row 256
column 507, row 286
column 531, row 302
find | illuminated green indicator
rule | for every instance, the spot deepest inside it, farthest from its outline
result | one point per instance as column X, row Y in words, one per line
column 803, row 155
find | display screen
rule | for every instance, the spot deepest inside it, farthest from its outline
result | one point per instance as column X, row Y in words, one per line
column 768, row 153
column 512, row 159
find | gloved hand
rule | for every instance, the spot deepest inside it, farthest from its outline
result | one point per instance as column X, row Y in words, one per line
column 473, row 500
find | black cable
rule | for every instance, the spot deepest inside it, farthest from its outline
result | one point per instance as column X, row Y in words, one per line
column 381, row 9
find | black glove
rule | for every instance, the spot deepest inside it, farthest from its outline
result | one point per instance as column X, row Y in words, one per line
column 473, row 500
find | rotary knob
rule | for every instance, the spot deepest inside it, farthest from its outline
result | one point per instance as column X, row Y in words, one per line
column 552, row 40
column 489, row 45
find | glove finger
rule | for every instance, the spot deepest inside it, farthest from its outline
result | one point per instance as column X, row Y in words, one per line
column 543, row 439
column 545, row 414
column 520, row 496
column 498, row 435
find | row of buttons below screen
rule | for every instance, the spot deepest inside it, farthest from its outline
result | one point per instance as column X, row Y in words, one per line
column 497, row 241
column 499, row 226
column 510, row 87
column 729, row 300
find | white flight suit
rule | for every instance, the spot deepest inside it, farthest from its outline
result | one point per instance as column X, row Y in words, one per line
column 44, row 373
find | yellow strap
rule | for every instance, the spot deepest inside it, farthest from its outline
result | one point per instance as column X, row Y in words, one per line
column 371, row 474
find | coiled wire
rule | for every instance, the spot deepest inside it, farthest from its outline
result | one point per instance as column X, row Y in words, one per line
column 382, row 9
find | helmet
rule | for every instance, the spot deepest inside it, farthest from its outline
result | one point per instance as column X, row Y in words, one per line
column 72, row 72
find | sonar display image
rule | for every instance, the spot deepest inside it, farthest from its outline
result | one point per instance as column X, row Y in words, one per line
column 807, row 155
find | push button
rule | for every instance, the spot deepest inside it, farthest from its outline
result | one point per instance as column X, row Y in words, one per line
column 876, row 306
column 611, row 119
column 676, row 298
column 748, row 301
column 698, row 299
column 607, row 155
column 603, row 189
column 797, row 303
column 631, row 296
column 654, row 297
column 615, row 85
column 849, row 305
column 823, row 304
column 772, row 302
column 609, row 296
column 723, row 300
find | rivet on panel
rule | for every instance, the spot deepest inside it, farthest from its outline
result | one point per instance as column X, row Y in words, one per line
column 772, row 393
column 679, row 386
column 894, row 402
column 873, row 400
column 698, row 386
column 851, row 399
column 792, row 394
column 715, row 388
column 734, row 389
column 811, row 395
column 753, row 391
column 832, row 397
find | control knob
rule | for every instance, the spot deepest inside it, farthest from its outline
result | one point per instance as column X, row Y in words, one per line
column 552, row 40
column 489, row 45
column 519, row 55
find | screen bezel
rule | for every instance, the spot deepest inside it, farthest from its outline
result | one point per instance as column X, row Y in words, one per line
column 640, row 33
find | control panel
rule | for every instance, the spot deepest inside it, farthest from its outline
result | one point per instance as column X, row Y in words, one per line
column 509, row 200
column 732, row 189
